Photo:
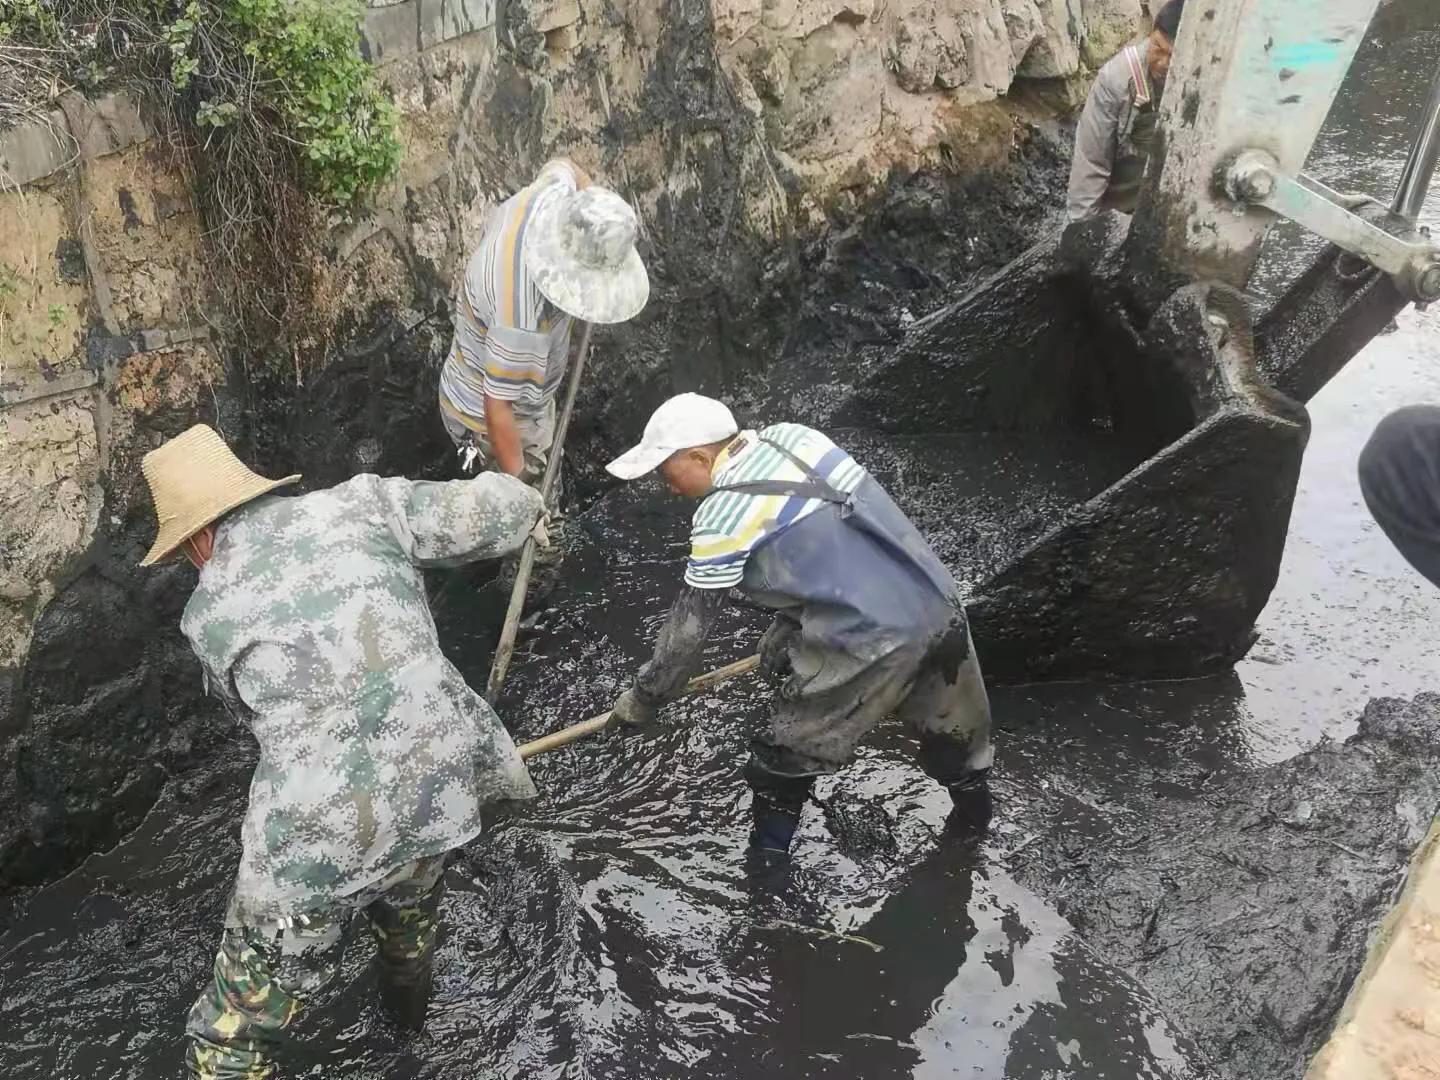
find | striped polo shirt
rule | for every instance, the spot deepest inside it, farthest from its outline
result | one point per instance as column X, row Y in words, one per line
column 510, row 342
column 729, row 525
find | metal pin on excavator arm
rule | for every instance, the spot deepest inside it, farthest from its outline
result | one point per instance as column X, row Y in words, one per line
column 1251, row 87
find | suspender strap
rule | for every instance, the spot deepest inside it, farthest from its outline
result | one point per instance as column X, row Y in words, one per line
column 1138, row 75
column 814, row 486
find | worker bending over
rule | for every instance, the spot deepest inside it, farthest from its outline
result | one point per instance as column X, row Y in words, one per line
column 868, row 621
column 1400, row 479
column 1117, row 129
column 310, row 622
column 559, row 250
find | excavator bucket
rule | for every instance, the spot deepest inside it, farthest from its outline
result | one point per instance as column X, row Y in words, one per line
column 1133, row 489
column 1128, row 442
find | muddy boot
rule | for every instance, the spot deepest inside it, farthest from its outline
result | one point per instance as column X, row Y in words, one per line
column 774, row 815
column 544, row 572
column 404, row 924
column 405, row 991
column 973, row 806
column 767, row 857
column 772, row 828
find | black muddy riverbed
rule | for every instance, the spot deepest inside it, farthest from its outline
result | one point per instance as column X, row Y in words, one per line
column 1167, row 890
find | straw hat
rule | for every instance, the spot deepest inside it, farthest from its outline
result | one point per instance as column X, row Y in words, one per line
column 580, row 250
column 196, row 479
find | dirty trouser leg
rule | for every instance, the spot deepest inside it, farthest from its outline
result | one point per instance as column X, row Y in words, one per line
column 261, row 978
column 404, row 921
column 1400, row 479
column 949, row 711
column 829, row 703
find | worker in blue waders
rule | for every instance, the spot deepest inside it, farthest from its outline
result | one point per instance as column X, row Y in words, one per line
column 868, row 621
column 1400, row 479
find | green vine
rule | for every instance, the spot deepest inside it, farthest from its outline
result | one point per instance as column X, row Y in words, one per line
column 307, row 77
column 30, row 20
column 266, row 105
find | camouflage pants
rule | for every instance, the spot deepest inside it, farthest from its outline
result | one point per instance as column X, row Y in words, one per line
column 263, row 974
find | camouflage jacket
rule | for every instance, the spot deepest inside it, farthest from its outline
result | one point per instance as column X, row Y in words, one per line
column 311, row 623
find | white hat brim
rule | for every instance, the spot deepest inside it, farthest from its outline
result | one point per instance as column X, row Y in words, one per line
column 637, row 461
column 595, row 295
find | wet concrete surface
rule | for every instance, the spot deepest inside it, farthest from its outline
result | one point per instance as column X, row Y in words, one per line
column 1158, row 875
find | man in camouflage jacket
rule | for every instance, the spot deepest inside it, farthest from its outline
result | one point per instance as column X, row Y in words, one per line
column 311, row 624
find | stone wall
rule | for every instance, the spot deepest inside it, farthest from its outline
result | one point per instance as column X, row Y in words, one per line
column 734, row 127
column 98, row 327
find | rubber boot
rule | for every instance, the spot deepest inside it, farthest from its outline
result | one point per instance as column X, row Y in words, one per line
column 405, row 992
column 774, row 816
column 973, row 805
column 767, row 857
column 772, row 828
column 405, row 931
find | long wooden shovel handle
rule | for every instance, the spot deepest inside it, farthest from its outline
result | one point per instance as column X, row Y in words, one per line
column 506, row 648
column 567, row 735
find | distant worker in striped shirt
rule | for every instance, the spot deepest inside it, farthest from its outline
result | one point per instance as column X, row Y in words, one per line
column 561, row 249
column 868, row 621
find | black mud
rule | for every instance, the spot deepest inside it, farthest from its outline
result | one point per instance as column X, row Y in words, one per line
column 1246, row 905
column 1153, row 899
column 607, row 929
column 108, row 704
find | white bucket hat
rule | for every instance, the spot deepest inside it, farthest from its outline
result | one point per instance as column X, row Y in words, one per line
column 196, row 479
column 684, row 421
column 580, row 249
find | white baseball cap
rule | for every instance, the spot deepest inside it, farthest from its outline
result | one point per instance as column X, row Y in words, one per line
column 684, row 421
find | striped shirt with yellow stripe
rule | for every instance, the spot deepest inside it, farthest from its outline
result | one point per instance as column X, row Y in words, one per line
column 510, row 342
column 729, row 525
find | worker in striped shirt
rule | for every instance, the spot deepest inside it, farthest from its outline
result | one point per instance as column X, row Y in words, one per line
column 868, row 620
column 559, row 250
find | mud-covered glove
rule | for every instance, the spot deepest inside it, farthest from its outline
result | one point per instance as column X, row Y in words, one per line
column 631, row 712
column 775, row 647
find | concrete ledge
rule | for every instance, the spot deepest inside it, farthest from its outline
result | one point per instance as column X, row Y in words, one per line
column 444, row 20
column 105, row 353
column 105, row 125
column 80, row 128
column 33, row 151
column 1389, row 1027
column 395, row 31
column 70, row 382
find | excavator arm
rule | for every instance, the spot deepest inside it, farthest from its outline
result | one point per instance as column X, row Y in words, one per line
column 1252, row 85
column 1132, row 340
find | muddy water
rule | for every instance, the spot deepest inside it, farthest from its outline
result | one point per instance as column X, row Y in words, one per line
column 606, row 930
